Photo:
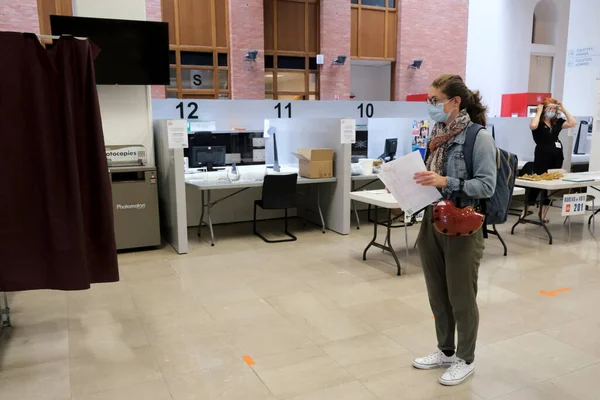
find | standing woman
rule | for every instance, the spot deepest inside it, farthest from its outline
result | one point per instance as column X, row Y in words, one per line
column 451, row 263
column 545, row 127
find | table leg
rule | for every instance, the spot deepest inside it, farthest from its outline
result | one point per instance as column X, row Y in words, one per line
column 406, row 238
column 523, row 214
column 387, row 244
column 542, row 223
column 210, row 226
column 356, row 214
column 539, row 222
column 391, row 248
column 373, row 241
column 319, row 207
column 592, row 217
column 201, row 215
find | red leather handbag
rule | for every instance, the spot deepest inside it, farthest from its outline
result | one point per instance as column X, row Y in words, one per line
column 450, row 220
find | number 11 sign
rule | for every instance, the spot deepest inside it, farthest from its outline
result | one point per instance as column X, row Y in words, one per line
column 573, row 204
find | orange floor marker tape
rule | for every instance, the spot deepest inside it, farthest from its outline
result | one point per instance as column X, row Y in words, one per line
column 248, row 360
column 554, row 292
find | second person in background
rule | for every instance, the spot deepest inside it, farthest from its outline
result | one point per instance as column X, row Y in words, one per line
column 546, row 127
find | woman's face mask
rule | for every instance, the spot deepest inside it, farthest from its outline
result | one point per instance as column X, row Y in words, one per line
column 550, row 112
column 437, row 113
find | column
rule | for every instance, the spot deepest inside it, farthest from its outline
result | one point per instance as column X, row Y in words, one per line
column 436, row 32
column 246, row 32
column 335, row 41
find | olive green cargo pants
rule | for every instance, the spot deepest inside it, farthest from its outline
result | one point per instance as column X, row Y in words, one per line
column 451, row 268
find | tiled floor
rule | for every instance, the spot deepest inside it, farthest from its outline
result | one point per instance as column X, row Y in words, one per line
column 316, row 321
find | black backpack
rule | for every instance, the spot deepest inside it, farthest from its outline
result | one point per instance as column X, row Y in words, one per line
column 496, row 207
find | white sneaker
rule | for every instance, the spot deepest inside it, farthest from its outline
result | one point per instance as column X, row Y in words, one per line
column 457, row 373
column 434, row 360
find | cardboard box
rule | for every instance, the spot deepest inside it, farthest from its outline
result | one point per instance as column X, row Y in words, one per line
column 315, row 163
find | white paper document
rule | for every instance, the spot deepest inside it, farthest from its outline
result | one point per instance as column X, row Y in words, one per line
column 177, row 133
column 348, row 130
column 398, row 177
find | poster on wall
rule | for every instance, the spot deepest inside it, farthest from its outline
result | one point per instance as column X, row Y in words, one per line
column 583, row 57
column 420, row 136
column 177, row 134
column 348, row 130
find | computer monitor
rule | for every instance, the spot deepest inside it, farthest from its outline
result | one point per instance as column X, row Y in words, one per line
column 578, row 149
column 208, row 156
column 389, row 152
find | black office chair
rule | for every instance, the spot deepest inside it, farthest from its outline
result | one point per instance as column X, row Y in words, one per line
column 278, row 193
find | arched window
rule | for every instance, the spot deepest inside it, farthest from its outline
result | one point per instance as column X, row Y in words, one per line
column 544, row 23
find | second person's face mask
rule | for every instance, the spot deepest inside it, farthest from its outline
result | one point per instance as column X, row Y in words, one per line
column 551, row 114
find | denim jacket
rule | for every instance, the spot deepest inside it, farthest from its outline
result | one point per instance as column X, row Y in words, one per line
column 483, row 183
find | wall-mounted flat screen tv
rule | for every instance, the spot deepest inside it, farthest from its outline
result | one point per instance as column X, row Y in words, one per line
column 131, row 52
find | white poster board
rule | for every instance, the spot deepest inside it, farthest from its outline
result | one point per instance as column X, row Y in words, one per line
column 348, row 131
column 177, row 133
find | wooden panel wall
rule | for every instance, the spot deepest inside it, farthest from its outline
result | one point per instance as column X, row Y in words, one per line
column 200, row 27
column 392, row 34
column 292, row 31
column 312, row 25
column 354, row 32
column 292, row 26
column 269, row 22
column 371, row 35
column 374, row 31
column 52, row 7
column 195, row 23
column 168, row 15
column 222, row 28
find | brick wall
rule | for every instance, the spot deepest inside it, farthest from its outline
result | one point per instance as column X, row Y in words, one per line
column 435, row 31
column 246, row 32
column 335, row 41
column 19, row 16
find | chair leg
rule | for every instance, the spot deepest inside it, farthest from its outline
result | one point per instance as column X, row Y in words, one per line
column 292, row 238
column 501, row 240
column 254, row 220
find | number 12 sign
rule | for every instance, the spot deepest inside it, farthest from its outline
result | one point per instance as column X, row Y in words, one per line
column 573, row 204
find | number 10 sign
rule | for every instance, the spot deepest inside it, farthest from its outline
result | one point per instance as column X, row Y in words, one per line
column 573, row 204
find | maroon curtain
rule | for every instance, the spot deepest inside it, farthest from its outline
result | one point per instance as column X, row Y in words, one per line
column 56, row 222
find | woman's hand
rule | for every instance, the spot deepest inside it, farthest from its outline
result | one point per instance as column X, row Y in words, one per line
column 429, row 178
column 535, row 122
column 571, row 121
